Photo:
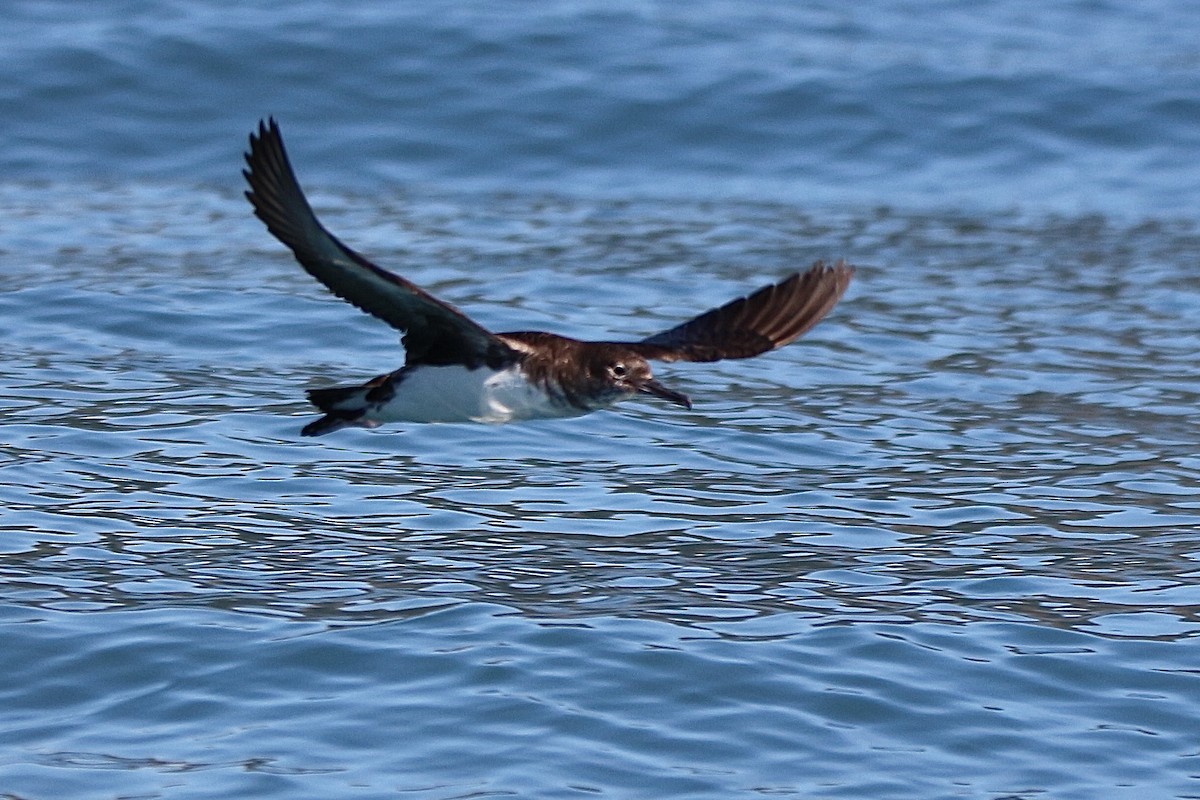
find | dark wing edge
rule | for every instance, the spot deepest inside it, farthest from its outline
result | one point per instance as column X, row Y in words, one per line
column 772, row 317
column 430, row 324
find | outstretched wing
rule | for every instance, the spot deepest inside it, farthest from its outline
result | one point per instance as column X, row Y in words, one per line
column 435, row 332
column 771, row 317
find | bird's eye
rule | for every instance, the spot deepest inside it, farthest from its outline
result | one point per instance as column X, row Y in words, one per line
column 618, row 370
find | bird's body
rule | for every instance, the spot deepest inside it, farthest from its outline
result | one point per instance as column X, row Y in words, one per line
column 439, row 394
column 457, row 371
column 548, row 376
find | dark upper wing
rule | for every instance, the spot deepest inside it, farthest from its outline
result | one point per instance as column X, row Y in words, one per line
column 771, row 317
column 435, row 332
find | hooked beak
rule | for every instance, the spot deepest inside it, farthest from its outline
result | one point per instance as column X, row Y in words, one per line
column 658, row 390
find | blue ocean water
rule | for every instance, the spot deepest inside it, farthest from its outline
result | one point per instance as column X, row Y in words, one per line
column 943, row 547
column 1072, row 107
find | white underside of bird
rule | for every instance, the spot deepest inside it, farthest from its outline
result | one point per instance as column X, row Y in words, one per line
column 457, row 394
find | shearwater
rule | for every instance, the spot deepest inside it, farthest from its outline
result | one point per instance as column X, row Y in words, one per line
column 457, row 371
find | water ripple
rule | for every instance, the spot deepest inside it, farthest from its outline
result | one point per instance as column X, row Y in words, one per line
column 958, row 519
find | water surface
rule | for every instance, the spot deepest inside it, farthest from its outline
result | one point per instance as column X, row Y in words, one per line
column 943, row 547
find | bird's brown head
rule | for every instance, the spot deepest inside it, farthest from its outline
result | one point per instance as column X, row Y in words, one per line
column 617, row 373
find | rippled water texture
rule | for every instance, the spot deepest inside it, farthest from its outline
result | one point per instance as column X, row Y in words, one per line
column 943, row 547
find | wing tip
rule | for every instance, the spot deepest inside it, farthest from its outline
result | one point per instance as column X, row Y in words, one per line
column 268, row 128
column 839, row 271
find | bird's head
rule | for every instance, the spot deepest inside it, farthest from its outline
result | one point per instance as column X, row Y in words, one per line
column 624, row 374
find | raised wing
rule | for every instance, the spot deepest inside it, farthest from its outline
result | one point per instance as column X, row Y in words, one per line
column 771, row 317
column 435, row 332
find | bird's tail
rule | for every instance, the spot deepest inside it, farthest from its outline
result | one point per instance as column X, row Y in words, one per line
column 346, row 406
